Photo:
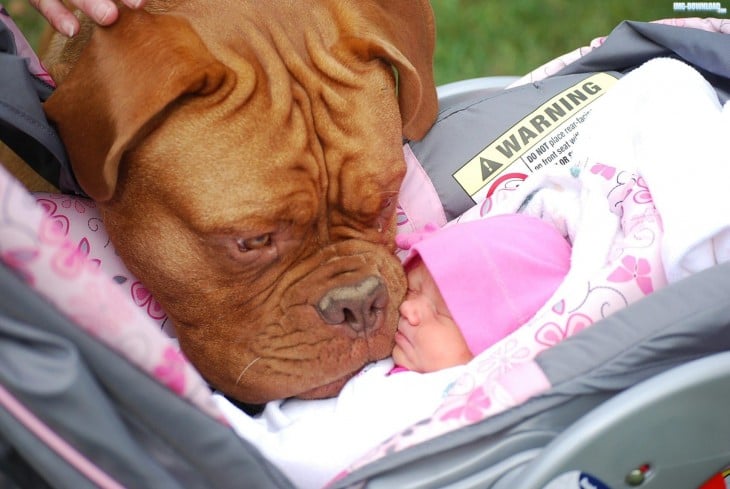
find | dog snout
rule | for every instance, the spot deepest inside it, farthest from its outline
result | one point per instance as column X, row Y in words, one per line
column 359, row 306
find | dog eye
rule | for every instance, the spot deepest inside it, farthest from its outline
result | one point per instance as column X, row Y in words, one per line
column 255, row 243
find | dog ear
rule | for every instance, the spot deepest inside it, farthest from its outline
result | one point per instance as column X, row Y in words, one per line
column 403, row 33
column 127, row 76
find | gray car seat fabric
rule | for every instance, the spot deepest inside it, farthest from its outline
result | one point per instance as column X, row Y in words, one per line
column 137, row 431
column 674, row 325
column 23, row 124
column 668, row 432
column 632, row 43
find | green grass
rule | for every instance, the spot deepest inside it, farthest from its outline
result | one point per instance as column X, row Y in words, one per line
column 483, row 38
column 491, row 37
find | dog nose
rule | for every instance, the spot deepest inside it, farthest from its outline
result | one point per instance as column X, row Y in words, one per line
column 360, row 306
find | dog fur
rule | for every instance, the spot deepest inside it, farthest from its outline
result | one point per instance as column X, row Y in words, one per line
column 246, row 157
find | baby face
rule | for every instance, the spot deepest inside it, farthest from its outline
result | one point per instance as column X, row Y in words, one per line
column 427, row 339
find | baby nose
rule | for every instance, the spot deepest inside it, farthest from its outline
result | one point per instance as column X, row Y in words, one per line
column 409, row 312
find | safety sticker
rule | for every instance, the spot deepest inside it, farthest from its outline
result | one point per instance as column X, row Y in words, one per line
column 543, row 137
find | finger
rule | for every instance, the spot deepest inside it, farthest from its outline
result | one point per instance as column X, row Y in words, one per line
column 134, row 3
column 57, row 15
column 103, row 12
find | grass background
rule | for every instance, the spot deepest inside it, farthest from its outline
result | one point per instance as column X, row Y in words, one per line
column 491, row 37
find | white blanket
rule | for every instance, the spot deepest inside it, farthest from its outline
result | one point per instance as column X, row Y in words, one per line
column 664, row 121
column 312, row 441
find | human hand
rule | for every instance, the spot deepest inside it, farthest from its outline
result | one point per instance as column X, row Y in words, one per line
column 103, row 12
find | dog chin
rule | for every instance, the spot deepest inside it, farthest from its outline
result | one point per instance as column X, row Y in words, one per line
column 328, row 390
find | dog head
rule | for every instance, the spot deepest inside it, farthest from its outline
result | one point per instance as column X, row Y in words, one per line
column 247, row 162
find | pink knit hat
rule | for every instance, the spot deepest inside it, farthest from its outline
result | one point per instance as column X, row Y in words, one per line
column 494, row 274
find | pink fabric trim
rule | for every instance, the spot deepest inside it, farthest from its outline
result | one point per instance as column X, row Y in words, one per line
column 56, row 443
column 397, row 369
column 418, row 201
column 524, row 381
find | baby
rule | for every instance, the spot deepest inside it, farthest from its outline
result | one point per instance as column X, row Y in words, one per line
column 473, row 283
column 469, row 285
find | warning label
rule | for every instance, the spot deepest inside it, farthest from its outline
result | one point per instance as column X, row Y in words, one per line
column 543, row 137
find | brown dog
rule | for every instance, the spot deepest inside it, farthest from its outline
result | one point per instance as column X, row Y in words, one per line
column 247, row 158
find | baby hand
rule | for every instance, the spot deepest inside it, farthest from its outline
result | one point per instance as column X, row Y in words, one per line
column 103, row 12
